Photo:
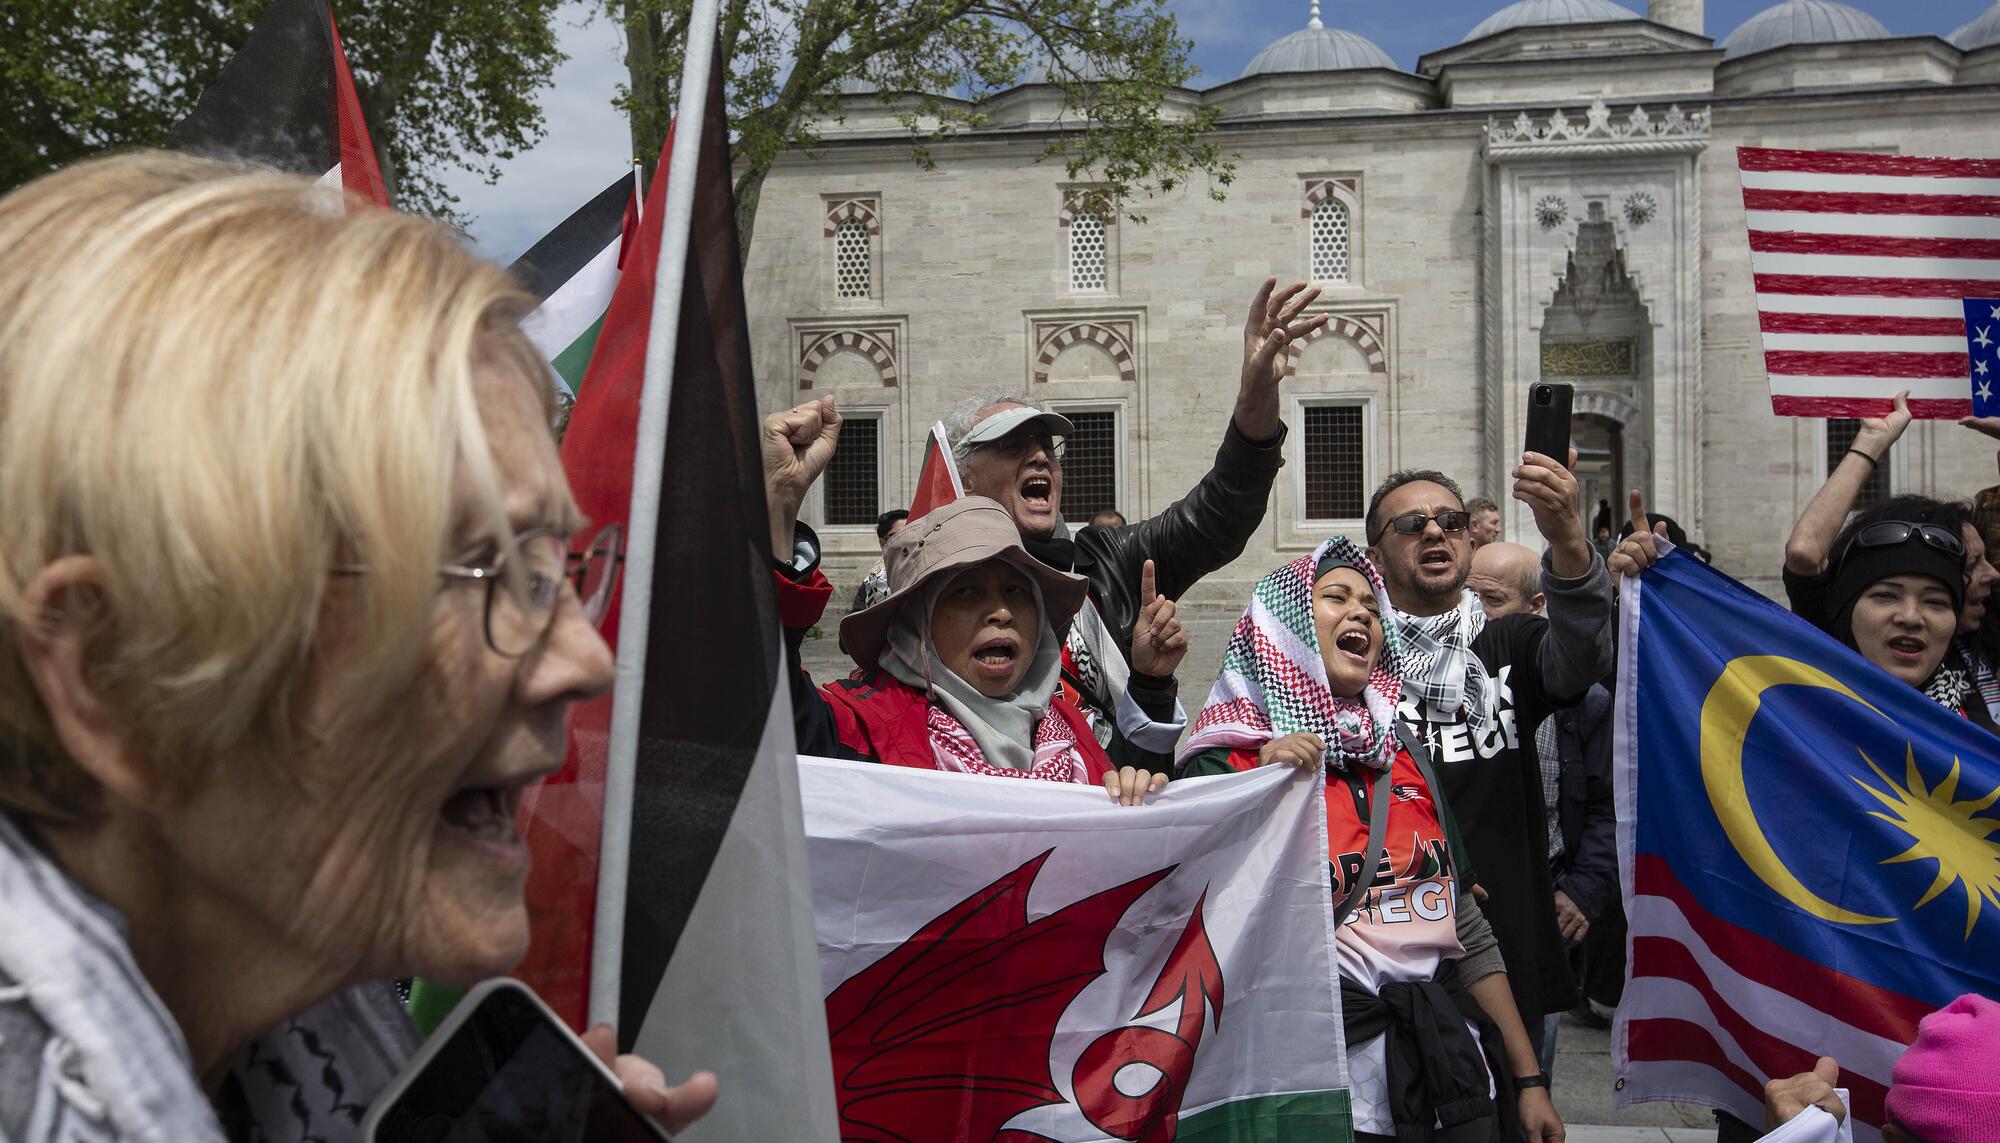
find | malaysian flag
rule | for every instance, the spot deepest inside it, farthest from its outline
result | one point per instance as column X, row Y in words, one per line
column 1862, row 263
column 1809, row 848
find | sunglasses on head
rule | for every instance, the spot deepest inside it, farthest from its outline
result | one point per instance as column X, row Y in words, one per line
column 1889, row 533
column 1411, row 523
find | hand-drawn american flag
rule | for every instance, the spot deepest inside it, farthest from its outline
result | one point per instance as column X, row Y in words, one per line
column 1861, row 264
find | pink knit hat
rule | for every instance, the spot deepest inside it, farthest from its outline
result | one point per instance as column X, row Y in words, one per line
column 1946, row 1088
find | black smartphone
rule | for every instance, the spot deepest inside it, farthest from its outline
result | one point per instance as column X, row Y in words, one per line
column 502, row 1068
column 1548, row 420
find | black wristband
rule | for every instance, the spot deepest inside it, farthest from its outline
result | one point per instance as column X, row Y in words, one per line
column 1872, row 462
column 1539, row 1079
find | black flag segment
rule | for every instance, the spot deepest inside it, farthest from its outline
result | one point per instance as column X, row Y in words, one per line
column 712, row 664
column 266, row 106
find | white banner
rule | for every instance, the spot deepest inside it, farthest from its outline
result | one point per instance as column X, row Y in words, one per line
column 1022, row 960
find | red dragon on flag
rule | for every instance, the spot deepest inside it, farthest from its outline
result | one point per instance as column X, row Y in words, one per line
column 955, row 1025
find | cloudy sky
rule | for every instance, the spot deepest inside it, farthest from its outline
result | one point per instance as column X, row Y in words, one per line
column 587, row 142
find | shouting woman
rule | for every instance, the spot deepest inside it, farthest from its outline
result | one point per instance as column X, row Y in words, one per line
column 1311, row 679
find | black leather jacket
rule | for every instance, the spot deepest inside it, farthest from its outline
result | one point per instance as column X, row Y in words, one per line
column 1190, row 538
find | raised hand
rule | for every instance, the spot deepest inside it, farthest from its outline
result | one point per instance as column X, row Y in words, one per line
column 797, row 445
column 1129, row 785
column 1551, row 492
column 1273, row 324
column 1302, row 751
column 1876, row 434
column 1159, row 641
column 1639, row 550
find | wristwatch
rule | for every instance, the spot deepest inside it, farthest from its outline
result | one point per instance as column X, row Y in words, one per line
column 1539, row 1079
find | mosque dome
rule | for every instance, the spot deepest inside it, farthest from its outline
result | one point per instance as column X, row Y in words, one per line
column 1529, row 13
column 1317, row 47
column 857, row 85
column 1802, row 22
column 1982, row 32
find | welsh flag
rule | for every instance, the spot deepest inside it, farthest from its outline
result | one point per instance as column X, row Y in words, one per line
column 572, row 271
column 287, row 100
column 1024, row 961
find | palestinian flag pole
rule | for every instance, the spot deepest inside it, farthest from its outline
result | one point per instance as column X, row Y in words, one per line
column 573, row 271
column 287, row 100
column 670, row 854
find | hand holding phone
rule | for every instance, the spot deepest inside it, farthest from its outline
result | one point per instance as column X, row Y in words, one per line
column 1548, row 420
column 502, row 1068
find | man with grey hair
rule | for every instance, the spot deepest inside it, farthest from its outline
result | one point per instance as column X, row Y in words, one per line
column 1009, row 447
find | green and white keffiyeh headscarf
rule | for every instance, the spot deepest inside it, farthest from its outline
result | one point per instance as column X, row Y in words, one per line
column 1273, row 680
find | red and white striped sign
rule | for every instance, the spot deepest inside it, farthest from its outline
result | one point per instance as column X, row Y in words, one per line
column 1862, row 263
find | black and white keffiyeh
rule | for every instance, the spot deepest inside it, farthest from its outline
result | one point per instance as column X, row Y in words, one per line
column 1439, row 666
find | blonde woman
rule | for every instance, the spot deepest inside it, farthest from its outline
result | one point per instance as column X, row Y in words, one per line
column 286, row 628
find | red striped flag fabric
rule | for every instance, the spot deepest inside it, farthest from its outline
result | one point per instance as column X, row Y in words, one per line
column 1861, row 264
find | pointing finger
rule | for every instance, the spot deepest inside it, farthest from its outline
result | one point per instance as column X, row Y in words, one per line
column 1147, row 579
column 1638, row 503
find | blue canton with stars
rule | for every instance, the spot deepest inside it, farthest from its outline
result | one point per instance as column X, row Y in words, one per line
column 1982, row 345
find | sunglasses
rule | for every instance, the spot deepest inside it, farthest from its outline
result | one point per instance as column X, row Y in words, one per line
column 1411, row 523
column 1890, row 533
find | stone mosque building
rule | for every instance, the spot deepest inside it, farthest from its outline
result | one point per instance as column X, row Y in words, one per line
column 1554, row 196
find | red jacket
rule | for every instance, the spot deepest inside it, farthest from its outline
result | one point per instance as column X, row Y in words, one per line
column 874, row 716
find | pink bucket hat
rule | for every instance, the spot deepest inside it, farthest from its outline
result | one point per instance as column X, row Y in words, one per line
column 1946, row 1088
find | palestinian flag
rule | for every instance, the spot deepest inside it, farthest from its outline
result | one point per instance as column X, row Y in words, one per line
column 938, row 483
column 287, row 100
column 669, row 893
column 572, row 272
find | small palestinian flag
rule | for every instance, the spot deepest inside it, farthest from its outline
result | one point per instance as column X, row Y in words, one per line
column 287, row 100
column 938, row 484
column 573, row 272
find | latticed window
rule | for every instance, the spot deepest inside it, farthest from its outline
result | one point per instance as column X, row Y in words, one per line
column 1330, row 241
column 853, row 274
column 854, row 476
column 1335, row 458
column 1086, row 253
column 1840, row 434
column 1090, row 466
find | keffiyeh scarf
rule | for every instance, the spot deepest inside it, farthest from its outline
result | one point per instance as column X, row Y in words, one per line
column 1056, row 757
column 1951, row 686
column 1439, row 666
column 1273, row 680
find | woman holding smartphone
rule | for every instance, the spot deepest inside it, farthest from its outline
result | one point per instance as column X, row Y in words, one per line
column 286, row 629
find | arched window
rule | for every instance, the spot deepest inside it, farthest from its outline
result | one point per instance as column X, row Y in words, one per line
column 852, row 273
column 1086, row 253
column 1330, row 230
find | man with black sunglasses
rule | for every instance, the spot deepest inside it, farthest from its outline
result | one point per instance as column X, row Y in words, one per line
column 1477, row 687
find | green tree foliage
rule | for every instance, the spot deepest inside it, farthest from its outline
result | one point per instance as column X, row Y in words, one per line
column 1117, row 63
column 444, row 83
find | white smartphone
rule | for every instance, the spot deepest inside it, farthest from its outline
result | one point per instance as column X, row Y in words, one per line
column 503, row 1068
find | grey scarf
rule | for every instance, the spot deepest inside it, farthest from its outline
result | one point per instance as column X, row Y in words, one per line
column 1004, row 728
column 114, row 1064
column 1439, row 666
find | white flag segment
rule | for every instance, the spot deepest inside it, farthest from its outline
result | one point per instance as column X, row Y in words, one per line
column 1860, row 262
column 894, row 850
